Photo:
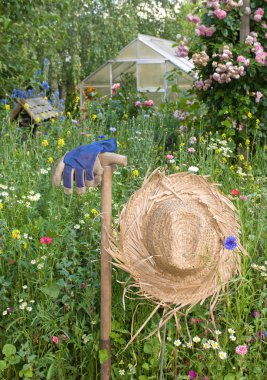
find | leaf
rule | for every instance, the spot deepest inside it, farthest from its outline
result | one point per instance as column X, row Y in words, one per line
column 52, row 290
column 9, row 350
column 229, row 376
column 145, row 366
column 148, row 348
column 3, row 365
column 142, row 377
column 103, row 356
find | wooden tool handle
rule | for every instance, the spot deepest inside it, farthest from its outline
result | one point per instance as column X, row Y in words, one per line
column 109, row 159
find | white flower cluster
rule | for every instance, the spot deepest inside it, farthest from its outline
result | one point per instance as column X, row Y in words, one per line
column 261, row 268
column 220, row 146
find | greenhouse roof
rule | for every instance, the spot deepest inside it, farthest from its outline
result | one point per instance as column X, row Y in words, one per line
column 156, row 50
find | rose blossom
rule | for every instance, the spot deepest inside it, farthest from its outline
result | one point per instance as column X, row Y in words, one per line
column 55, row 339
column 220, row 14
column 138, row 103
column 148, row 103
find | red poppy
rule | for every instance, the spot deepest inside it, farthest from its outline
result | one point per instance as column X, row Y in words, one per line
column 11, row 261
column 235, row 192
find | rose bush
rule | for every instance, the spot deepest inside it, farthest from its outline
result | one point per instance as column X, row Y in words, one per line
column 231, row 74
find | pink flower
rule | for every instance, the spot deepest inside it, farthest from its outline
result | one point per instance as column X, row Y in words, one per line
column 221, row 14
column 64, row 337
column 259, row 95
column 235, row 192
column 115, row 87
column 55, row 339
column 138, row 103
column 241, row 350
column 192, row 374
column 148, row 103
column 194, row 19
column 258, row 14
column 243, row 197
column 169, row 157
column 210, row 31
column 182, row 51
column 191, row 150
column 46, row 240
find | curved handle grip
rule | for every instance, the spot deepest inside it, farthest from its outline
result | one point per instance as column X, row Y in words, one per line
column 109, row 159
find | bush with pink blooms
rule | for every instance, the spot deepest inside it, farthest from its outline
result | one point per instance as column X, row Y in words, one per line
column 231, row 75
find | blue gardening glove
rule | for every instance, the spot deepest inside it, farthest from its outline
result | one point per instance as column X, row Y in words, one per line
column 84, row 163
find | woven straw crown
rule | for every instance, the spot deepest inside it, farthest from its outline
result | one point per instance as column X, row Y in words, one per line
column 171, row 239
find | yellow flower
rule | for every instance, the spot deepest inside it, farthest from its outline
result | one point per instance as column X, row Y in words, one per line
column 7, row 107
column 94, row 116
column 232, row 168
column 201, row 139
column 135, row 173
column 45, row 97
column 94, row 212
column 224, row 160
column 45, row 143
column 249, row 115
column 217, row 151
column 1, row 205
column 160, row 148
column 16, row 234
column 182, row 144
column 26, row 106
column 230, row 139
column 68, row 133
column 68, row 114
column 52, row 120
column 37, row 119
column 247, row 142
column 43, row 115
column 224, row 136
column 77, row 99
column 87, row 216
column 241, row 157
column 50, row 160
column 250, row 168
column 56, row 114
column 25, row 245
column 125, row 116
column 258, row 121
column 60, row 143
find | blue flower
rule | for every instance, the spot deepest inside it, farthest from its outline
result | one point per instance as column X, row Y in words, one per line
column 230, row 243
column 3, row 101
column 46, row 62
column 45, row 86
column 101, row 136
column 112, row 129
column 62, row 118
column 146, row 116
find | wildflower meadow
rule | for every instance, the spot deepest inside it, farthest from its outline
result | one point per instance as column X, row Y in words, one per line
column 50, row 242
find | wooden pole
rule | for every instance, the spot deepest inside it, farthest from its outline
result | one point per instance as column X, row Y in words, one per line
column 108, row 160
column 106, row 208
column 245, row 23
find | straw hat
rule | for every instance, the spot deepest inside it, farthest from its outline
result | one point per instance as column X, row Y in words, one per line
column 172, row 234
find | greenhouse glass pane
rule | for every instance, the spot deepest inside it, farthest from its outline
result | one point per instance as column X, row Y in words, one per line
column 122, row 68
column 145, row 51
column 150, row 76
column 101, row 76
column 129, row 52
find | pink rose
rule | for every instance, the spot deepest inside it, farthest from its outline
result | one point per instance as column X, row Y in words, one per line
column 149, row 103
column 138, row 103
column 169, row 157
column 220, row 14
column 115, row 87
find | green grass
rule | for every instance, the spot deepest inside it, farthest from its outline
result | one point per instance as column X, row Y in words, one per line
column 64, row 278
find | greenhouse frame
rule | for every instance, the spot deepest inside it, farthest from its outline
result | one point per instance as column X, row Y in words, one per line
column 149, row 59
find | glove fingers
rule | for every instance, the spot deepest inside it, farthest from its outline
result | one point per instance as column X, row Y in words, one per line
column 57, row 172
column 68, row 179
column 98, row 169
column 79, row 178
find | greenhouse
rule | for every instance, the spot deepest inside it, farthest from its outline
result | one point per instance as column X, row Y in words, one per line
column 149, row 59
